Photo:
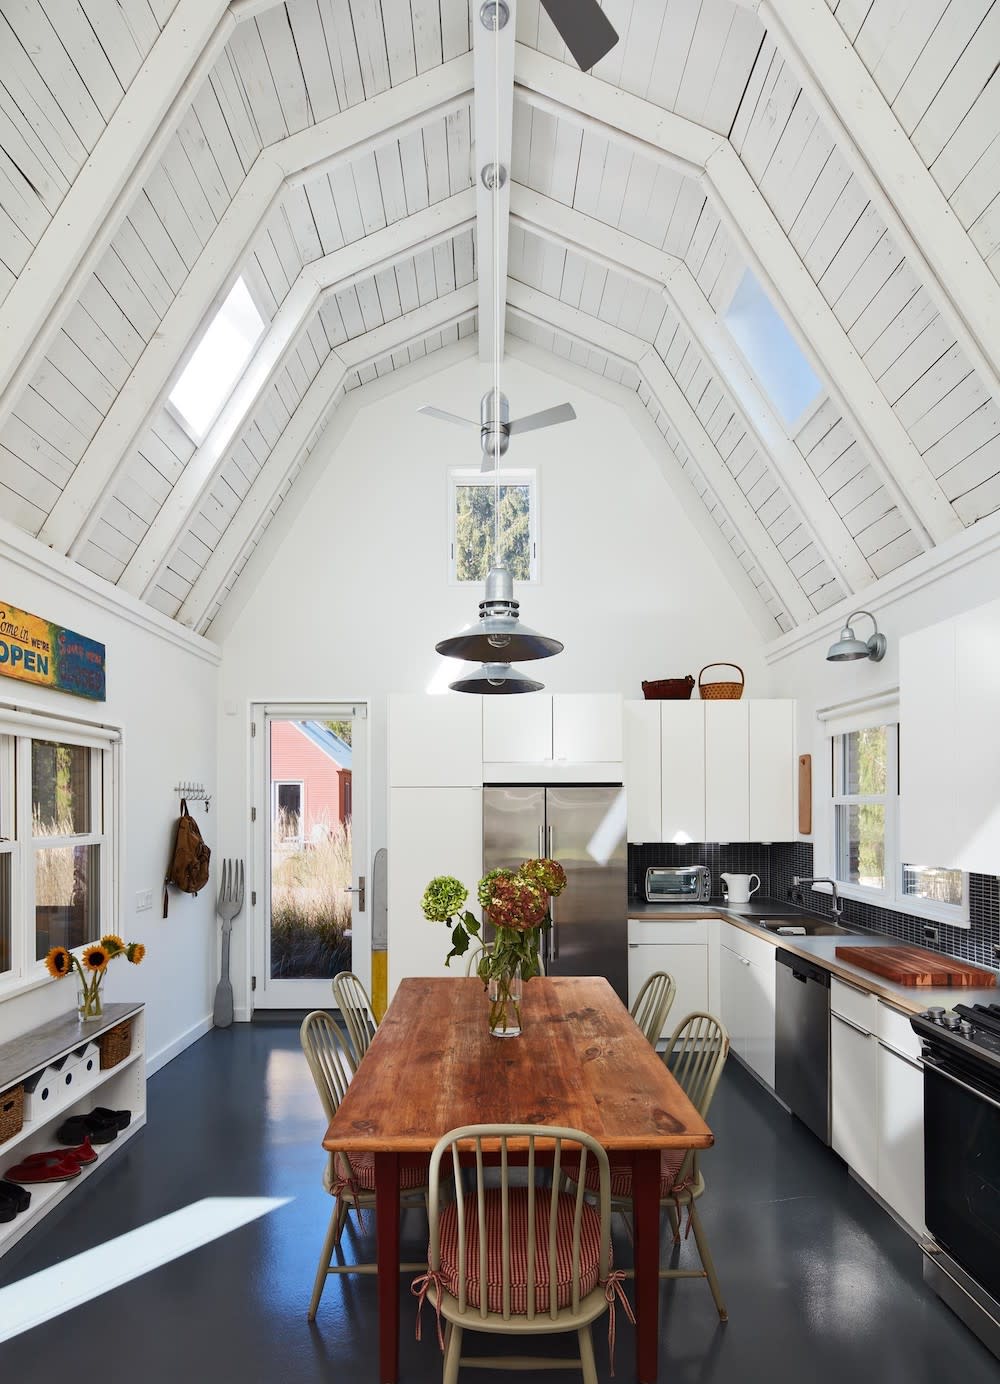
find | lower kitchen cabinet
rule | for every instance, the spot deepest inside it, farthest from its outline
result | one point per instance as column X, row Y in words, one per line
column 853, row 1095
column 683, row 950
column 747, row 991
column 901, row 1136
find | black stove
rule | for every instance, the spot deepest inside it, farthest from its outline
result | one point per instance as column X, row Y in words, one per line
column 969, row 1031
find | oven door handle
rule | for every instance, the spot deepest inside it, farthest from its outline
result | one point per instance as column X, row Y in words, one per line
column 930, row 1066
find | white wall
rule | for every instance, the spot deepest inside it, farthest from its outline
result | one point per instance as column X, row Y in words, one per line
column 349, row 590
column 162, row 691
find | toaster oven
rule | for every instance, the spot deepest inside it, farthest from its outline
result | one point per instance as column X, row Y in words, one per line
column 678, row 884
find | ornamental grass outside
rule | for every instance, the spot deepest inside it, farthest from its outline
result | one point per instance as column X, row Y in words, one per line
column 516, row 903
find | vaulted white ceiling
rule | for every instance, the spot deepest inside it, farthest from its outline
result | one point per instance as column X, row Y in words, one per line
column 153, row 150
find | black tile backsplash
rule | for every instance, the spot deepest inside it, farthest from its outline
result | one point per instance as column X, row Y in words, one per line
column 776, row 864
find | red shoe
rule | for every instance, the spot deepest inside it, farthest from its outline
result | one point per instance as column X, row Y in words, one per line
column 83, row 1153
column 29, row 1173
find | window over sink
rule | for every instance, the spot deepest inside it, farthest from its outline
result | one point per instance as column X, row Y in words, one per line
column 864, row 830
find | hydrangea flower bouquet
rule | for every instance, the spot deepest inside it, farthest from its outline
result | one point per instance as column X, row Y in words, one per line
column 516, row 902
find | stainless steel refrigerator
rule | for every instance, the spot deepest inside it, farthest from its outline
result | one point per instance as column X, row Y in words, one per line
column 584, row 829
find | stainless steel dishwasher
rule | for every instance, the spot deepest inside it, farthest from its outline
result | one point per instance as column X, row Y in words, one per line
column 802, row 1041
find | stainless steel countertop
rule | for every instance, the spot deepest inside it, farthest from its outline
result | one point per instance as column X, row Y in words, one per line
column 821, row 950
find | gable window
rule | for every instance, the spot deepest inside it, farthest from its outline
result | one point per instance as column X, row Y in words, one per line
column 865, row 832
column 58, row 841
column 218, row 361
column 473, row 511
column 771, row 352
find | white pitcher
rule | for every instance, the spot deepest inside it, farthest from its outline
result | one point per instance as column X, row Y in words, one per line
column 739, row 888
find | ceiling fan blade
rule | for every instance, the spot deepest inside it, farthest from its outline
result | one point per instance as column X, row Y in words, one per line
column 584, row 28
column 562, row 413
column 433, row 412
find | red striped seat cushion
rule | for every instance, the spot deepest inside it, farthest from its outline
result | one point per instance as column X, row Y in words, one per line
column 363, row 1167
column 621, row 1174
column 590, row 1250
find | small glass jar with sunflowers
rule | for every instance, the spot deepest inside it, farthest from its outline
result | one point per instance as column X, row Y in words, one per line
column 90, row 967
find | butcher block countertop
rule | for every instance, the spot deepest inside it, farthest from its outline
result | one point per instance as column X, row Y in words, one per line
column 822, row 951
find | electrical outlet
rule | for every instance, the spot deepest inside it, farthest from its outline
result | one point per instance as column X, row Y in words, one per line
column 143, row 900
column 930, row 934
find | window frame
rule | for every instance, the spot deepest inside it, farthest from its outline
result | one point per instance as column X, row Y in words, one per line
column 18, row 728
column 299, row 840
column 794, row 426
column 469, row 475
column 891, row 897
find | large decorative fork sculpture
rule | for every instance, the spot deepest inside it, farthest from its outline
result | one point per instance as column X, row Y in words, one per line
column 230, row 903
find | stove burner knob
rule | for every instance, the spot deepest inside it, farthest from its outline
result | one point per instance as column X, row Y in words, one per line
column 966, row 1029
column 935, row 1013
column 951, row 1021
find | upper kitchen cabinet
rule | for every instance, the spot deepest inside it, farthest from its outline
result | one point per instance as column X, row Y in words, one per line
column 710, row 771
column 568, row 728
column 949, row 690
column 435, row 742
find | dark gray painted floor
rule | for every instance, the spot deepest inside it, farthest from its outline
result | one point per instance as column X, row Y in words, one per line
column 821, row 1284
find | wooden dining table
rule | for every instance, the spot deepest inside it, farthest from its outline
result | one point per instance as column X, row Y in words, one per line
column 580, row 1062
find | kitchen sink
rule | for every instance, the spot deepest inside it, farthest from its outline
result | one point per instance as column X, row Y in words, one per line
column 814, row 927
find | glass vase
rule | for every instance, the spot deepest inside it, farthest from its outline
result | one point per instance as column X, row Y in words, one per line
column 88, row 1003
column 504, row 994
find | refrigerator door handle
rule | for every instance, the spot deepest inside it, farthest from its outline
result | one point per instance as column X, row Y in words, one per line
column 554, row 933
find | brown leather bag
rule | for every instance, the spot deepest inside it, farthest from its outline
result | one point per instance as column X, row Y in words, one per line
column 188, row 869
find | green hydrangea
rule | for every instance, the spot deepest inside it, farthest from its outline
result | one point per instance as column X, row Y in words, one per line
column 485, row 893
column 443, row 898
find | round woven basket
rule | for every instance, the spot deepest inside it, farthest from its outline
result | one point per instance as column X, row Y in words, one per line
column 721, row 691
column 668, row 689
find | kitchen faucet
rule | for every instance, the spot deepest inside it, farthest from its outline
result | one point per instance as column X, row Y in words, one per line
column 835, row 908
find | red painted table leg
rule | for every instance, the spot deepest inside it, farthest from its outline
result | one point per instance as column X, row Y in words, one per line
column 387, row 1255
column 646, row 1195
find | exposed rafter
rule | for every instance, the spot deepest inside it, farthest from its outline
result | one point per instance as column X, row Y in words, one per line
column 878, row 149
column 93, row 209
column 589, row 103
column 378, row 121
column 686, row 423
column 314, row 410
column 636, row 259
column 494, row 117
column 318, row 280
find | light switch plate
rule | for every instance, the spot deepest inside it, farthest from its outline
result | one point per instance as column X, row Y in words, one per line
column 143, row 900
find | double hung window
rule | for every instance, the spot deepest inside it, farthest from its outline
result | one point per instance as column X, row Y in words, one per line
column 57, row 841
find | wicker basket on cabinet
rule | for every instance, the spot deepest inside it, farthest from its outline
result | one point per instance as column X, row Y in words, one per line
column 721, row 691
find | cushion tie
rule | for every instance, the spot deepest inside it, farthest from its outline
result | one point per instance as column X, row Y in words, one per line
column 613, row 1289
column 343, row 1183
column 675, row 1192
column 419, row 1288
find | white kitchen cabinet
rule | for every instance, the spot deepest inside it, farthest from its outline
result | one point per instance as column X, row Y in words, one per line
column 682, row 772
column 587, row 727
column 683, row 950
column 517, row 729
column 949, row 688
column 773, row 769
column 854, row 1079
column 727, row 771
column 747, row 985
column 901, row 1136
column 641, row 756
column 435, row 741
column 432, row 831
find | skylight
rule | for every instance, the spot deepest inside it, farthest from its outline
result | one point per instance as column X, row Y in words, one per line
column 771, row 352
column 219, row 360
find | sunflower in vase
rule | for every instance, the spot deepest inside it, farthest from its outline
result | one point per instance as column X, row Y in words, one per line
column 90, row 967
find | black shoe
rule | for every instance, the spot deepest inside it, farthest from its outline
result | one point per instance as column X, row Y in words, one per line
column 120, row 1118
column 74, row 1130
column 13, row 1197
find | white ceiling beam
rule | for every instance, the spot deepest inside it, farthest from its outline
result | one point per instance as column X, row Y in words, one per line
column 382, row 119
column 93, row 209
column 493, row 65
column 301, row 433
column 625, row 346
column 589, row 103
column 331, row 274
column 879, row 151
column 635, row 259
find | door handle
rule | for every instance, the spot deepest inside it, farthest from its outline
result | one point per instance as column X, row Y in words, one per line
column 554, row 934
column 360, row 891
column 850, row 1024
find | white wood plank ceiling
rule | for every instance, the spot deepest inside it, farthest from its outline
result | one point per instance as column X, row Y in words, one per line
column 846, row 151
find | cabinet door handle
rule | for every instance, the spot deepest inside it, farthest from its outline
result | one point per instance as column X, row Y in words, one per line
column 745, row 961
column 632, row 946
column 858, row 989
column 850, row 1024
column 910, row 1061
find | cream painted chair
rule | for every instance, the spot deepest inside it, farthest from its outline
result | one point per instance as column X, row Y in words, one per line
column 545, row 1260
column 472, row 960
column 355, row 1005
column 652, row 1004
column 349, row 1178
column 696, row 1053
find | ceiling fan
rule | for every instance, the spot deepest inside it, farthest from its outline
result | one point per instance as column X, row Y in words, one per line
column 495, row 425
column 584, row 28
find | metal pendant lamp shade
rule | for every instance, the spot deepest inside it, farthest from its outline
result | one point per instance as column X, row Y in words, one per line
column 498, row 634
column 493, row 679
column 849, row 647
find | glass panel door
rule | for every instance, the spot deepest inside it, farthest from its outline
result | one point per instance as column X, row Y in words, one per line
column 311, row 840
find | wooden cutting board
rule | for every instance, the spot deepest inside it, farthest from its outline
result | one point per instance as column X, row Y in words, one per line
column 916, row 966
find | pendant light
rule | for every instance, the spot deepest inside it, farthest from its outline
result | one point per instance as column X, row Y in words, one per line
column 498, row 636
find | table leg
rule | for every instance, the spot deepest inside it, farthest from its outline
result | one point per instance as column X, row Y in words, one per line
column 387, row 1256
column 646, row 1201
